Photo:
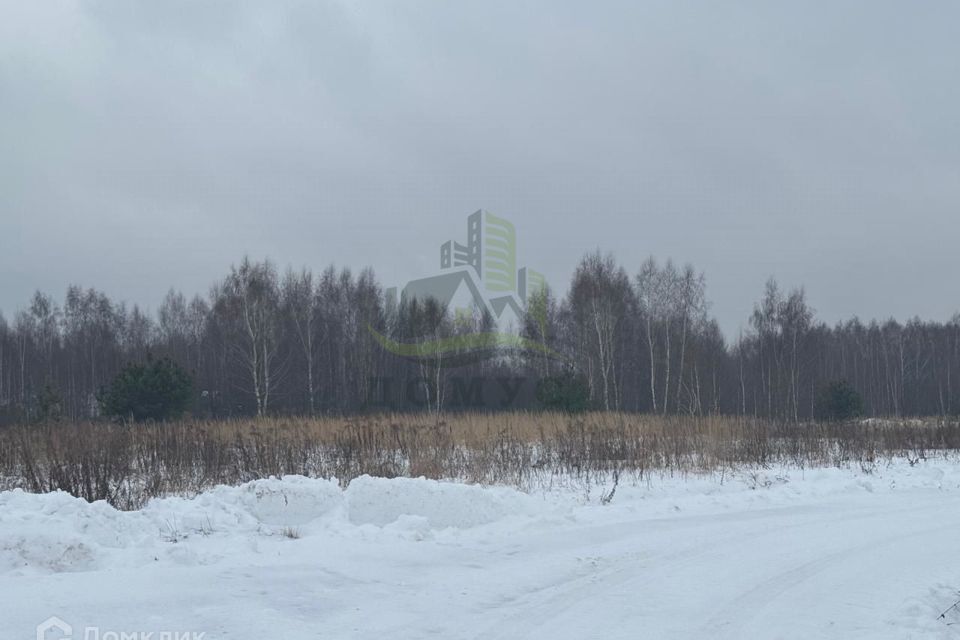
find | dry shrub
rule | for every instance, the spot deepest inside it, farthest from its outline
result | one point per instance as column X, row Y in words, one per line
column 128, row 464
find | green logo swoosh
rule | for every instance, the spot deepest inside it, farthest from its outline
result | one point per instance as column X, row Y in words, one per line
column 473, row 346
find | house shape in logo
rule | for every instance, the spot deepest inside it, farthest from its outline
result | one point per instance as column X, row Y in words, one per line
column 53, row 628
column 480, row 275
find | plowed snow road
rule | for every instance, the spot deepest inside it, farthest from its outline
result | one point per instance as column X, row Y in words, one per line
column 837, row 571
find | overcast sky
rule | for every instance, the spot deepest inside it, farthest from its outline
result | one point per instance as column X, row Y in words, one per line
column 149, row 145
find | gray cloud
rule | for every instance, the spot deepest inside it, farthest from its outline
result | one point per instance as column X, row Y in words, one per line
column 151, row 144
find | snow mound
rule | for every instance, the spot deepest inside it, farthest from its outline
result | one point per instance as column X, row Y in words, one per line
column 56, row 532
column 287, row 501
column 382, row 501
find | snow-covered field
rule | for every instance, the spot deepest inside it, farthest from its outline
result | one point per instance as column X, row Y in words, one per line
column 824, row 553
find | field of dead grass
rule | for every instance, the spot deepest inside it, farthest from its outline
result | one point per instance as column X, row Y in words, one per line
column 128, row 464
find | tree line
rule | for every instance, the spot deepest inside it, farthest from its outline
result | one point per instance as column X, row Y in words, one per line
column 265, row 342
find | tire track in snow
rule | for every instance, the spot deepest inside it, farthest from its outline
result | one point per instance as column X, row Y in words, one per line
column 581, row 598
column 742, row 609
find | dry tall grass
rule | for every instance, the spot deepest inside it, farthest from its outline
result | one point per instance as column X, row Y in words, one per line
column 127, row 465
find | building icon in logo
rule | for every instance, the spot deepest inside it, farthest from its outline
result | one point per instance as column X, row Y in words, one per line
column 53, row 628
column 480, row 275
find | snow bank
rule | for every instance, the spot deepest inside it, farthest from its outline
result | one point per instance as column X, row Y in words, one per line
column 381, row 501
column 57, row 532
